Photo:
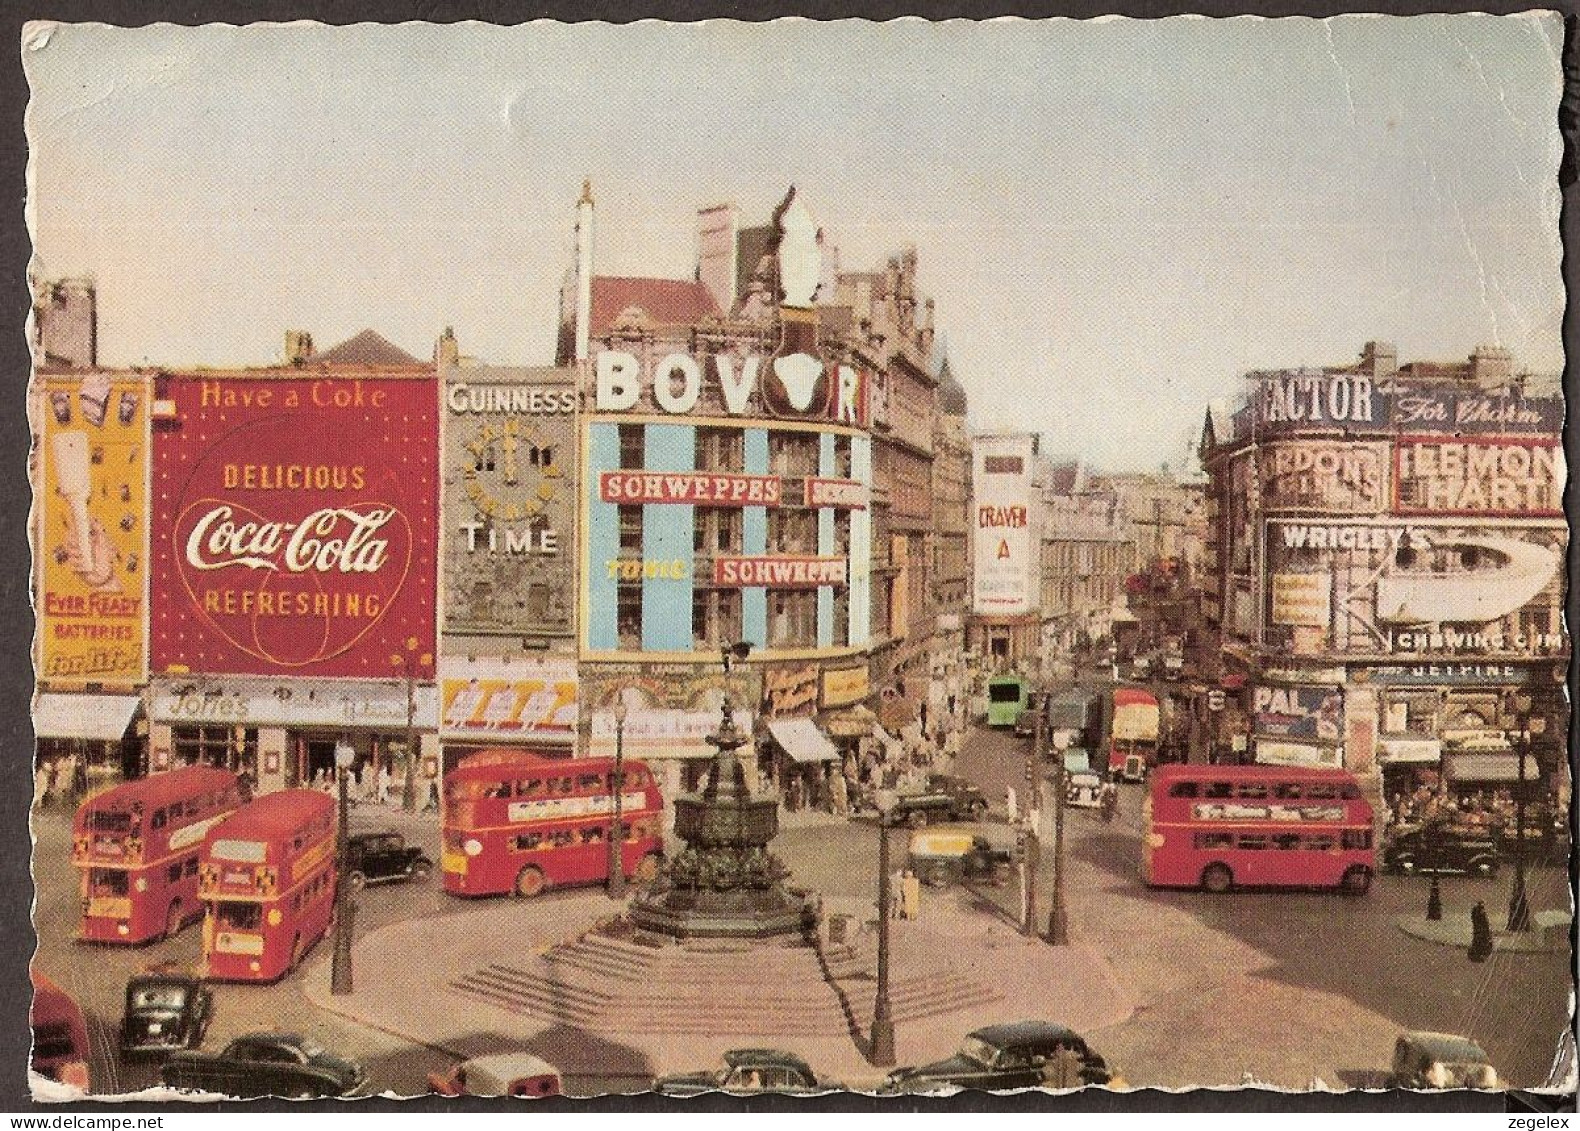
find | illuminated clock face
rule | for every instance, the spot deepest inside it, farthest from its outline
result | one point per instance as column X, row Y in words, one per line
column 514, row 472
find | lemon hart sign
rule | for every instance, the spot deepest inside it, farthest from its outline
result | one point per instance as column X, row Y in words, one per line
column 294, row 523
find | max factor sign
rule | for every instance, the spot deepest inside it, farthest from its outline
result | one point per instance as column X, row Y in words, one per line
column 1339, row 400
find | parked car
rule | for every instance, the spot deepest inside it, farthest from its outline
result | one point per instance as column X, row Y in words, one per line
column 1444, row 850
column 1023, row 1054
column 382, row 857
column 164, row 1012
column 500, row 1074
column 745, row 1071
column 941, row 856
column 943, row 798
column 1440, row 1060
column 265, row 1064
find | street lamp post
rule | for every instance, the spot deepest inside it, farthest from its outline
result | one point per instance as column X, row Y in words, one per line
column 1058, row 919
column 1030, row 845
column 617, row 787
column 407, row 663
column 880, row 1048
column 345, row 907
column 1528, row 728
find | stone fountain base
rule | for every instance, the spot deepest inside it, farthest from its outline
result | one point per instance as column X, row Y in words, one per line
column 739, row 913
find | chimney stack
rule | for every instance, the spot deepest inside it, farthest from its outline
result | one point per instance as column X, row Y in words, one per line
column 447, row 351
column 718, row 252
column 298, row 347
column 1491, row 367
column 1380, row 359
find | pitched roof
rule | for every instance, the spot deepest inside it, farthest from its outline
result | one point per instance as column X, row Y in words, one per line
column 667, row 302
column 366, row 348
column 951, row 394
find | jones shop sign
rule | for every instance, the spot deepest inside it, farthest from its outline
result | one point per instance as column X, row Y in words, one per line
column 294, row 525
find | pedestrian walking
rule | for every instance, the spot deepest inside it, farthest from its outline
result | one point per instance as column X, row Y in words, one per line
column 1009, row 804
column 910, row 895
column 433, row 797
column 381, row 786
column 922, row 715
column 1480, row 934
column 841, row 790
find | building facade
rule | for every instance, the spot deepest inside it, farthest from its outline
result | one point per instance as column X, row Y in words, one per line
column 508, row 517
column 1087, row 555
column 728, row 472
column 1386, row 555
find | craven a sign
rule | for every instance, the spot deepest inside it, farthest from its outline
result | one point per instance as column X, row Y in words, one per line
column 1004, row 544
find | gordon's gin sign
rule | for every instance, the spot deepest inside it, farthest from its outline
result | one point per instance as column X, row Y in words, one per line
column 294, row 525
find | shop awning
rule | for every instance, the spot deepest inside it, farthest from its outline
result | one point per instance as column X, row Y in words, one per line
column 849, row 722
column 1409, row 751
column 1498, row 767
column 801, row 739
column 97, row 718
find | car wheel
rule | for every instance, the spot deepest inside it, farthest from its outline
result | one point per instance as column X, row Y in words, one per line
column 977, row 811
column 646, row 869
column 357, row 881
column 916, row 818
column 1404, row 863
column 937, row 876
column 298, row 952
column 1217, row 878
column 1357, row 880
column 419, row 870
column 530, row 882
column 173, row 920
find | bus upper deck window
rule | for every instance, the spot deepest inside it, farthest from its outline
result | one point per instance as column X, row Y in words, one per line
column 1252, row 789
column 1217, row 789
column 1289, row 791
column 1183, row 789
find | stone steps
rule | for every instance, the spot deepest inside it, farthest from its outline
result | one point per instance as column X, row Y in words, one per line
column 609, row 984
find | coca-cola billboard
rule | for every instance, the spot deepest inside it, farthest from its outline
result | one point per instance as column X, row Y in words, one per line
column 294, row 526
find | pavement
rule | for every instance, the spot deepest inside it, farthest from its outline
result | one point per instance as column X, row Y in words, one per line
column 1549, row 933
column 404, row 973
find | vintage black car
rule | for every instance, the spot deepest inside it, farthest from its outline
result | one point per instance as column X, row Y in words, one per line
column 164, row 1012
column 746, row 1071
column 265, row 1064
column 944, row 798
column 943, row 855
column 1023, row 1054
column 1434, row 1061
column 383, row 857
column 1441, row 851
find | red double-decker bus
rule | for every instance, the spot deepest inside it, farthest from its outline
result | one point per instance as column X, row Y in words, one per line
column 137, row 846
column 514, row 822
column 268, row 876
column 1223, row 827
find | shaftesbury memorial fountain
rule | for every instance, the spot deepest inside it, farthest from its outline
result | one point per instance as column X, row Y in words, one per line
column 724, row 884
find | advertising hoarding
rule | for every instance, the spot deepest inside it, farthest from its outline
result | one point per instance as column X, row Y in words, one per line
column 490, row 699
column 1298, row 712
column 1445, row 408
column 509, row 500
column 1004, row 543
column 93, row 532
column 295, row 525
column 1310, row 399
column 1332, row 477
column 1503, row 476
column 1425, row 587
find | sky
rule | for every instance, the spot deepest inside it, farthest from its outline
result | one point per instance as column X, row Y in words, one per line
column 1115, row 218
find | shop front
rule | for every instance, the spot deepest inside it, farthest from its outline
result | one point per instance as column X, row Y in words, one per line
column 806, row 763
column 282, row 734
column 85, row 741
column 670, row 711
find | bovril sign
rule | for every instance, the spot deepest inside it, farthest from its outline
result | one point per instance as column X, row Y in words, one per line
column 797, row 385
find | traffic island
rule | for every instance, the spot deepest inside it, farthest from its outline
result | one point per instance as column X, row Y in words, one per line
column 1549, row 933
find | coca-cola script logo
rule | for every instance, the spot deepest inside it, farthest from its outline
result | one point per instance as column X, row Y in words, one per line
column 292, row 591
